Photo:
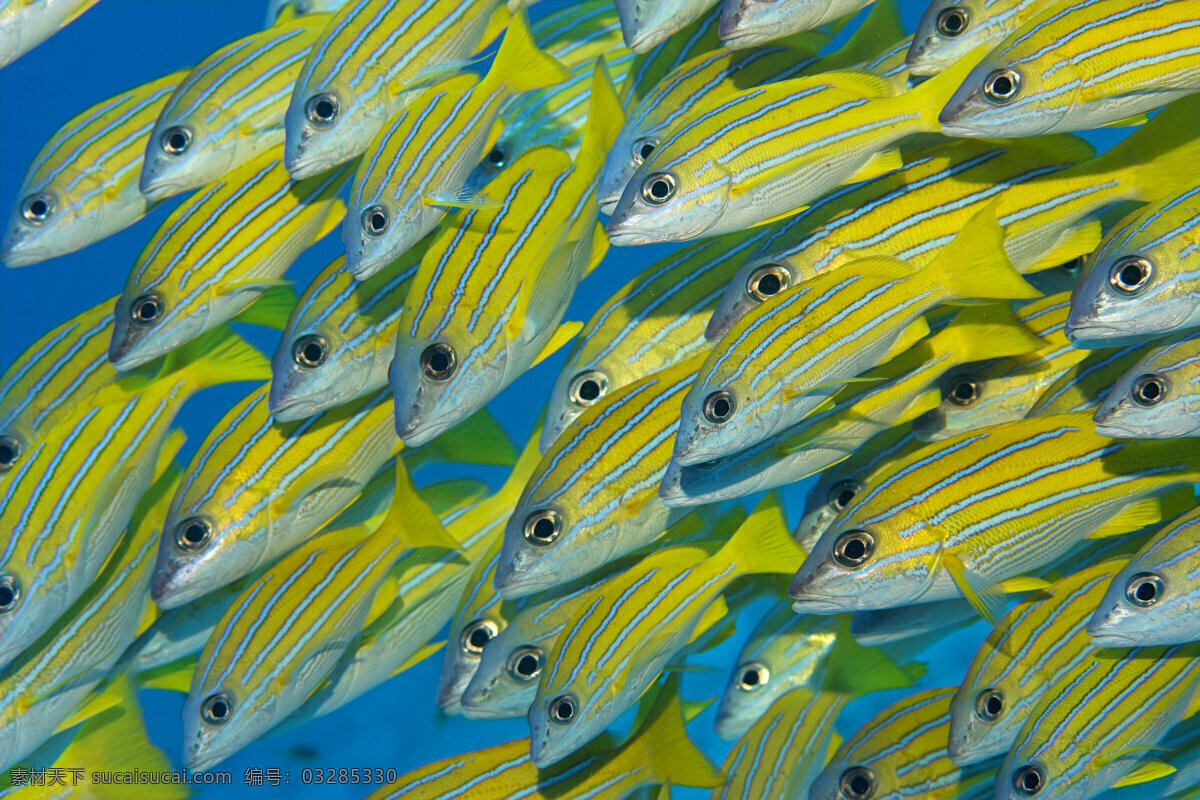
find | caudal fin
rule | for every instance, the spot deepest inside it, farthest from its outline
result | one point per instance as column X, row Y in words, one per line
column 1162, row 157
column 520, row 64
column 662, row 742
column 763, row 543
column 930, row 97
column 604, row 120
column 974, row 264
column 980, row 333
column 219, row 356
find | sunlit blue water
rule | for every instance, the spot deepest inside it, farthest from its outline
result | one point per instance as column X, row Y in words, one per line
column 122, row 43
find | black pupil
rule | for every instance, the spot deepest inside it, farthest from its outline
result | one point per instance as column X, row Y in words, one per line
column 218, row 709
column 194, row 533
column 964, row 391
column 768, row 284
column 646, row 150
column 543, row 529
column 1031, row 781
column 953, row 22
column 720, row 408
column 1002, row 86
column 439, row 362
column 589, row 390
column 324, row 109
column 312, row 352
column 1146, row 591
column 993, row 705
column 496, row 156
column 1131, row 275
column 527, row 665
column 844, row 498
column 6, row 596
column 659, row 189
column 564, row 710
column 1151, row 391
column 750, row 677
column 860, row 785
column 178, row 141
column 7, row 454
column 855, row 549
column 38, row 208
column 378, row 221
column 479, row 637
column 148, row 310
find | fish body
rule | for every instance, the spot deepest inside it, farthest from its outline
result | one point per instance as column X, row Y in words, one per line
column 50, row 680
column 1141, row 283
column 929, row 621
column 1087, row 384
column 647, row 23
column 895, row 392
column 1158, row 397
column 372, row 59
column 24, row 24
column 964, row 514
column 1098, row 721
column 228, row 110
column 67, row 502
column 182, row 631
column 218, row 253
column 752, row 23
column 766, row 152
column 1078, row 66
column 901, row 752
column 82, row 186
column 793, row 352
column 628, row 630
column 950, row 29
column 338, row 343
column 1152, row 600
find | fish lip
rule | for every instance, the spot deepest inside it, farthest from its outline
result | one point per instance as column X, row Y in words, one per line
column 626, row 239
column 293, row 408
column 959, row 129
column 608, row 205
column 483, row 712
column 130, row 360
column 425, row 432
column 302, row 167
column 523, row 586
column 157, row 192
column 1116, row 431
column 1102, row 637
column 817, row 604
column 14, row 256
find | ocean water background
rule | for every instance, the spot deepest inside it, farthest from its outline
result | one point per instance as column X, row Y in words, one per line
column 121, row 43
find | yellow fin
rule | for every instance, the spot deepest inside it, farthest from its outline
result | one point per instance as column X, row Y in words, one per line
column 1080, row 239
column 661, row 741
column 764, row 543
column 927, row 400
column 462, row 198
column 914, row 333
column 451, row 495
column 881, row 163
column 1140, row 513
column 387, row 594
column 118, row 691
column 1148, row 770
column 605, row 118
column 419, row 656
column 565, row 333
column 520, row 65
column 1023, row 583
column 149, row 617
column 1127, row 122
column 974, row 264
column 985, row 597
column 219, row 356
column 326, row 475
column 795, row 391
column 170, row 448
column 411, row 520
column 272, row 309
column 260, row 285
column 173, row 677
column 599, row 247
column 331, row 221
column 980, row 333
column 1159, row 158
column 930, row 97
column 716, row 613
column 853, row 669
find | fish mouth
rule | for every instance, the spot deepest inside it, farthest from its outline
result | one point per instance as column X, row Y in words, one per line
column 952, row 128
column 619, row 238
column 1103, row 638
column 157, row 192
column 16, row 256
column 818, row 604
column 1116, row 431
column 484, row 712
column 511, row 586
column 293, row 408
column 419, row 433
column 125, row 358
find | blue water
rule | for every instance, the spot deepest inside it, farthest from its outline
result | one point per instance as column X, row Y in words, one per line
column 122, row 43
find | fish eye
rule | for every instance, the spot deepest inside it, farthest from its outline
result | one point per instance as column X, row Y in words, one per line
column 476, row 635
column 989, row 705
column 951, row 22
column 542, row 527
column 857, row 783
column 525, row 663
column 495, row 158
column 963, row 390
column 1130, row 275
column 1148, row 391
column 310, row 351
column 842, row 492
column 193, row 534
column 562, row 709
column 438, row 362
column 658, row 188
column 587, row 387
column 853, row 548
column 753, row 677
column 174, row 141
column 1002, row 86
column 322, row 109
column 643, row 149
column 217, row 708
column 719, row 406
column 767, row 281
column 10, row 451
column 375, row 221
column 146, row 309
column 1073, row 266
column 1028, row 780
column 1144, row 589
column 10, row 593
column 37, row 208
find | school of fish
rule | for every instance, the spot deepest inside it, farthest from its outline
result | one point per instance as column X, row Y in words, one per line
column 910, row 299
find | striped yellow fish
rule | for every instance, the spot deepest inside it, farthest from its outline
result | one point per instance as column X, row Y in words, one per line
column 1153, row 599
column 790, row 354
column 66, row 503
column 280, row 12
column 228, row 110
column 901, row 753
column 626, row 339
column 1158, row 397
column 1141, row 283
column 764, row 153
column 950, row 29
column 1080, row 65
column 658, row 751
column 421, row 158
column 594, row 497
column 82, row 186
column 1087, row 384
column 24, row 24
column 369, row 63
column 218, row 253
column 288, row 629
column 784, row 751
column 338, row 343
column 964, row 514
column 1048, row 190
column 1099, row 721
column 492, row 288
column 632, row 626
column 891, row 394
column 44, row 687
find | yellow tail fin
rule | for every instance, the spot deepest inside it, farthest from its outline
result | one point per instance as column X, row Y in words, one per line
column 974, row 264
column 930, row 97
column 662, row 742
column 764, row 544
column 604, row 120
column 219, row 356
column 1160, row 158
column 980, row 333
column 520, row 64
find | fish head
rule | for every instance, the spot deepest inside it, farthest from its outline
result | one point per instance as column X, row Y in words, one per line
column 437, row 384
column 749, row 23
column 635, row 143
column 1029, row 775
column 755, row 282
column 506, row 678
column 973, row 398
column 1146, row 604
column 202, row 550
column 376, row 230
column 828, row 497
column 1148, row 403
column 1008, row 97
column 948, row 31
column 50, row 220
column 324, row 126
column 150, row 321
column 28, row 606
column 579, row 387
column 564, row 719
column 670, row 199
column 220, row 720
column 314, row 369
column 464, row 650
column 719, row 417
column 849, row 778
column 182, row 153
column 1128, row 295
column 985, row 715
